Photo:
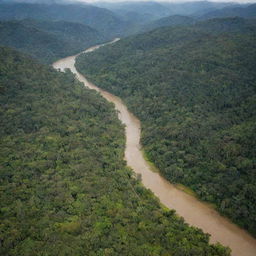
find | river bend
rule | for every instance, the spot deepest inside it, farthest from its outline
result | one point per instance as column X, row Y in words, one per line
column 194, row 212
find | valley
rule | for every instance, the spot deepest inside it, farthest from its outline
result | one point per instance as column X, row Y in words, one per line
column 140, row 145
column 193, row 211
column 194, row 93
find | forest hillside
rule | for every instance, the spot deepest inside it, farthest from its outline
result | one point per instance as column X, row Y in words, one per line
column 48, row 40
column 65, row 188
column 194, row 89
column 103, row 20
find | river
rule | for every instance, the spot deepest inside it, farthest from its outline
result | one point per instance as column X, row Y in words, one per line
column 195, row 212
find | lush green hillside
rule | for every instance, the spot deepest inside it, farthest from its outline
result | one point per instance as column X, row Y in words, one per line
column 75, row 33
column 216, row 25
column 101, row 19
column 245, row 11
column 141, row 11
column 174, row 20
column 195, row 8
column 195, row 94
column 65, row 189
column 228, row 25
column 46, row 40
column 150, row 10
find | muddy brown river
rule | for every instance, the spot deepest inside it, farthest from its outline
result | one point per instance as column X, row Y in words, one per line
column 195, row 212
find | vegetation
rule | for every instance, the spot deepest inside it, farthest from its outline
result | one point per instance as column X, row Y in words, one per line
column 139, row 11
column 174, row 20
column 103, row 20
column 46, row 40
column 245, row 11
column 217, row 26
column 228, row 25
column 146, row 11
column 65, row 189
column 194, row 92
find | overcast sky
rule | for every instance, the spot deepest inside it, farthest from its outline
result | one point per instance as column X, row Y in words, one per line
column 93, row 1
column 176, row 1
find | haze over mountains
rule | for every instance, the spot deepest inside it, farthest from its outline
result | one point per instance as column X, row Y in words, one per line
column 161, row 9
column 121, row 18
column 100, row 19
column 126, row 18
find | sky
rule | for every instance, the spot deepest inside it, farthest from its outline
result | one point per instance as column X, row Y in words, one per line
column 176, row 1
column 93, row 1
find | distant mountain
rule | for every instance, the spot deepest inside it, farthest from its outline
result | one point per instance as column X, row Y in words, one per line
column 230, row 25
column 195, row 8
column 175, row 20
column 68, row 31
column 241, row 11
column 137, row 11
column 103, row 20
column 46, row 40
column 146, row 16
column 149, row 11
column 216, row 25
column 138, row 14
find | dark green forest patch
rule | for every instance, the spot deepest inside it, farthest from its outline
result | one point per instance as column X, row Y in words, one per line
column 48, row 41
column 64, row 186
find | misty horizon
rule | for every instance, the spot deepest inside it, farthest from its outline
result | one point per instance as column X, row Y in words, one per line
column 125, row 1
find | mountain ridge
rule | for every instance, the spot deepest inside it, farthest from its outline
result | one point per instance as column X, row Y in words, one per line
column 48, row 41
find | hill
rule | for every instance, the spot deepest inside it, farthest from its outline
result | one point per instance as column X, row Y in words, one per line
column 227, row 25
column 216, row 25
column 137, row 11
column 174, row 20
column 147, row 11
column 194, row 92
column 247, row 11
column 103, row 20
column 65, row 189
column 195, row 8
column 47, row 41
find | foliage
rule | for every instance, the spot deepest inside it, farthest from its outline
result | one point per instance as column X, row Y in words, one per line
column 174, row 20
column 146, row 11
column 194, row 92
column 245, row 11
column 46, row 40
column 103, row 20
column 65, row 189
column 139, row 11
column 230, row 25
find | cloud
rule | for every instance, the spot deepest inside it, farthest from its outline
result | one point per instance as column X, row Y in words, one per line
column 175, row 1
column 94, row 1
